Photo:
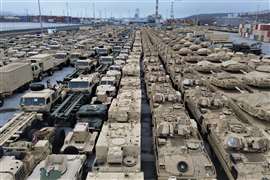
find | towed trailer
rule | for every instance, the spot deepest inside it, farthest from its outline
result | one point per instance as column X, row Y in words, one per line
column 64, row 114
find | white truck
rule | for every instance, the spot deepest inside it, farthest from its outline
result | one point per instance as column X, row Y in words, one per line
column 106, row 60
column 15, row 77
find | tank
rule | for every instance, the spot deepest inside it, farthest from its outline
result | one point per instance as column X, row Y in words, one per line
column 118, row 148
column 234, row 66
column 61, row 167
column 206, row 67
column 255, row 104
column 226, row 81
column 94, row 115
column 80, row 140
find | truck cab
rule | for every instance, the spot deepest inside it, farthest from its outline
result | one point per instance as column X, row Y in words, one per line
column 83, row 83
column 61, row 58
column 85, row 64
column 74, row 56
column 106, row 60
column 115, row 71
column 40, row 100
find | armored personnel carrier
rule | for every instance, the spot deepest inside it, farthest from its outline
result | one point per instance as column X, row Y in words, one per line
column 106, row 89
column 61, row 167
column 126, row 107
column 115, row 175
column 12, row 168
column 118, row 148
column 241, row 147
column 80, row 140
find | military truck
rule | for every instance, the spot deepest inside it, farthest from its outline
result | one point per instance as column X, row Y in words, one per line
column 61, row 167
column 61, row 59
column 74, row 56
column 43, row 61
column 106, row 60
column 15, row 77
column 40, row 99
column 80, row 140
column 95, row 115
column 84, row 83
column 85, row 65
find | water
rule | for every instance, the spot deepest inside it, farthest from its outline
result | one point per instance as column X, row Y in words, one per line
column 13, row 101
column 6, row 26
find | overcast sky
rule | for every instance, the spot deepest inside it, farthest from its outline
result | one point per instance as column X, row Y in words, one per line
column 126, row 8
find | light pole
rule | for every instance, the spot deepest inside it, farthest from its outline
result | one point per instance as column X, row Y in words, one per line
column 40, row 18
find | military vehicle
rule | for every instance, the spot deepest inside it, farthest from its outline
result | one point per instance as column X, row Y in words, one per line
column 85, row 65
column 80, row 140
column 241, row 147
column 106, row 60
column 115, row 175
column 12, row 168
column 118, row 148
column 126, row 107
column 84, row 83
column 106, row 90
column 61, row 58
column 40, row 99
column 61, row 167
column 95, row 115
column 43, row 62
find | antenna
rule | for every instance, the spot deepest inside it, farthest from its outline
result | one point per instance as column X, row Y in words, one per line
column 156, row 17
column 40, row 18
column 172, row 10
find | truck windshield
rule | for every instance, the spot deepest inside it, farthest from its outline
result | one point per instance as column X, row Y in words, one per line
column 32, row 101
column 74, row 56
column 106, row 60
column 60, row 56
column 115, row 68
column 81, row 84
column 82, row 63
column 106, row 83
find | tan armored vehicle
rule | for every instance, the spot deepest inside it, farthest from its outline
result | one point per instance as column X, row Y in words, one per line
column 207, row 67
column 241, row 148
column 11, row 168
column 255, row 104
column 60, row 167
column 226, row 81
column 203, row 51
column 118, row 148
column 80, row 140
column 115, row 175
column 126, row 107
column 184, row 51
column 234, row 66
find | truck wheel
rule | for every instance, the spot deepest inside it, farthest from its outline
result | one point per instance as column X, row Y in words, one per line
column 58, row 140
column 37, row 87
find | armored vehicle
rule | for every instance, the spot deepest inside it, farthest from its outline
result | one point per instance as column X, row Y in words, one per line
column 206, row 67
column 115, row 175
column 94, row 115
column 234, row 66
column 237, row 144
column 226, row 81
column 61, row 167
column 80, row 140
column 106, row 90
column 12, row 168
column 126, row 107
column 118, row 148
